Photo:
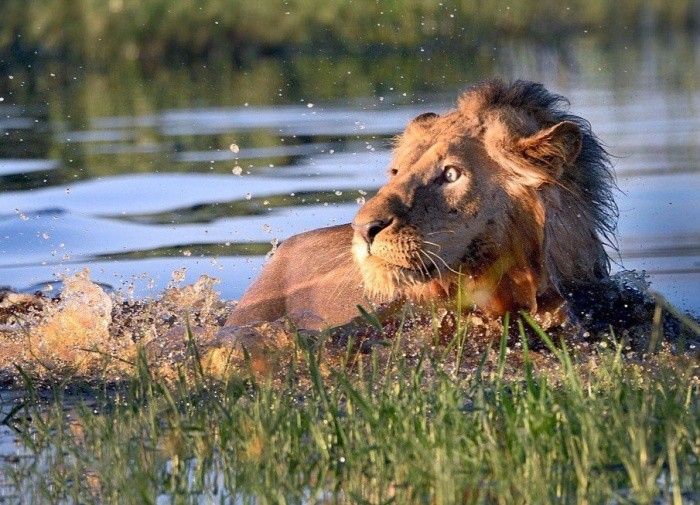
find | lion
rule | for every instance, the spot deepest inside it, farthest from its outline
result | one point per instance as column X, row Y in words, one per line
column 502, row 203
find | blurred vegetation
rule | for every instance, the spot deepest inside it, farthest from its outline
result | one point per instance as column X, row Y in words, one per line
column 157, row 31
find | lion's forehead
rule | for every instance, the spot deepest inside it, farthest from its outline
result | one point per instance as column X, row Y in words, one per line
column 409, row 153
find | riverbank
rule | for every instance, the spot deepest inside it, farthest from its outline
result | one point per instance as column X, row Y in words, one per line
column 410, row 420
column 140, row 402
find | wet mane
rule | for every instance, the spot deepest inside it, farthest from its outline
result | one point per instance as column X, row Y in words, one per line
column 581, row 213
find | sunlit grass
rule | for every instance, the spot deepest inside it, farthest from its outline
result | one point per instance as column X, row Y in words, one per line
column 373, row 428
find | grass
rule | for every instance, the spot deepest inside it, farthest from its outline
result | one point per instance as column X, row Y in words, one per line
column 383, row 427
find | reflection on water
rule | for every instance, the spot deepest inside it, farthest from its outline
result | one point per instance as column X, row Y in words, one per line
column 136, row 176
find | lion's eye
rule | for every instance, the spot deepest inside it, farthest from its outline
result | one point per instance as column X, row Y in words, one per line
column 451, row 174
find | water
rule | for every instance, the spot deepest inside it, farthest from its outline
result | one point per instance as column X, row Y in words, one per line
column 133, row 174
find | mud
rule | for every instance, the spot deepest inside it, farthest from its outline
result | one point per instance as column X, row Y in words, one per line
column 88, row 335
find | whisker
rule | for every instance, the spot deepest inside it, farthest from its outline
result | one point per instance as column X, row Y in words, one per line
column 431, row 254
column 436, row 255
column 437, row 268
column 434, row 244
column 440, row 231
column 426, row 271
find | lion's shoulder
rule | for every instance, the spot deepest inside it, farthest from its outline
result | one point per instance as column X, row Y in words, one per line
column 310, row 278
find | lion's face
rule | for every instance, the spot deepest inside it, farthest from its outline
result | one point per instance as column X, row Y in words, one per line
column 438, row 214
column 462, row 202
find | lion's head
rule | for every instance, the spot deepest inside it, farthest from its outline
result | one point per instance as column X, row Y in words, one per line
column 506, row 199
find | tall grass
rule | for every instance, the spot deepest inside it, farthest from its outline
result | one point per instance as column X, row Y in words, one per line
column 381, row 428
column 98, row 30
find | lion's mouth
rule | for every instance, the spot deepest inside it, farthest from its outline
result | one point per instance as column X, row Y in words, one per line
column 412, row 274
column 410, row 268
column 390, row 268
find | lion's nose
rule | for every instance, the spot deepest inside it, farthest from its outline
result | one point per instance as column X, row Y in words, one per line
column 370, row 230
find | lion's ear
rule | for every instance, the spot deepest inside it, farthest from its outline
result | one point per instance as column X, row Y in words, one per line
column 426, row 117
column 416, row 127
column 422, row 122
column 554, row 147
column 419, row 124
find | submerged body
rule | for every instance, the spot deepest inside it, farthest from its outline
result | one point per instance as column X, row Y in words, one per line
column 505, row 200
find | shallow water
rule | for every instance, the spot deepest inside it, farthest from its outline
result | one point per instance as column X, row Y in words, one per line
column 135, row 176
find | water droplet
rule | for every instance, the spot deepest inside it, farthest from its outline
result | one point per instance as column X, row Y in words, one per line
column 248, row 196
column 360, row 200
column 267, row 228
column 234, row 148
column 187, row 253
column 179, row 275
column 338, row 193
column 237, row 170
column 45, row 236
column 309, row 105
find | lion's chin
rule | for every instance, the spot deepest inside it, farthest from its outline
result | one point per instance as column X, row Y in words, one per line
column 385, row 282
